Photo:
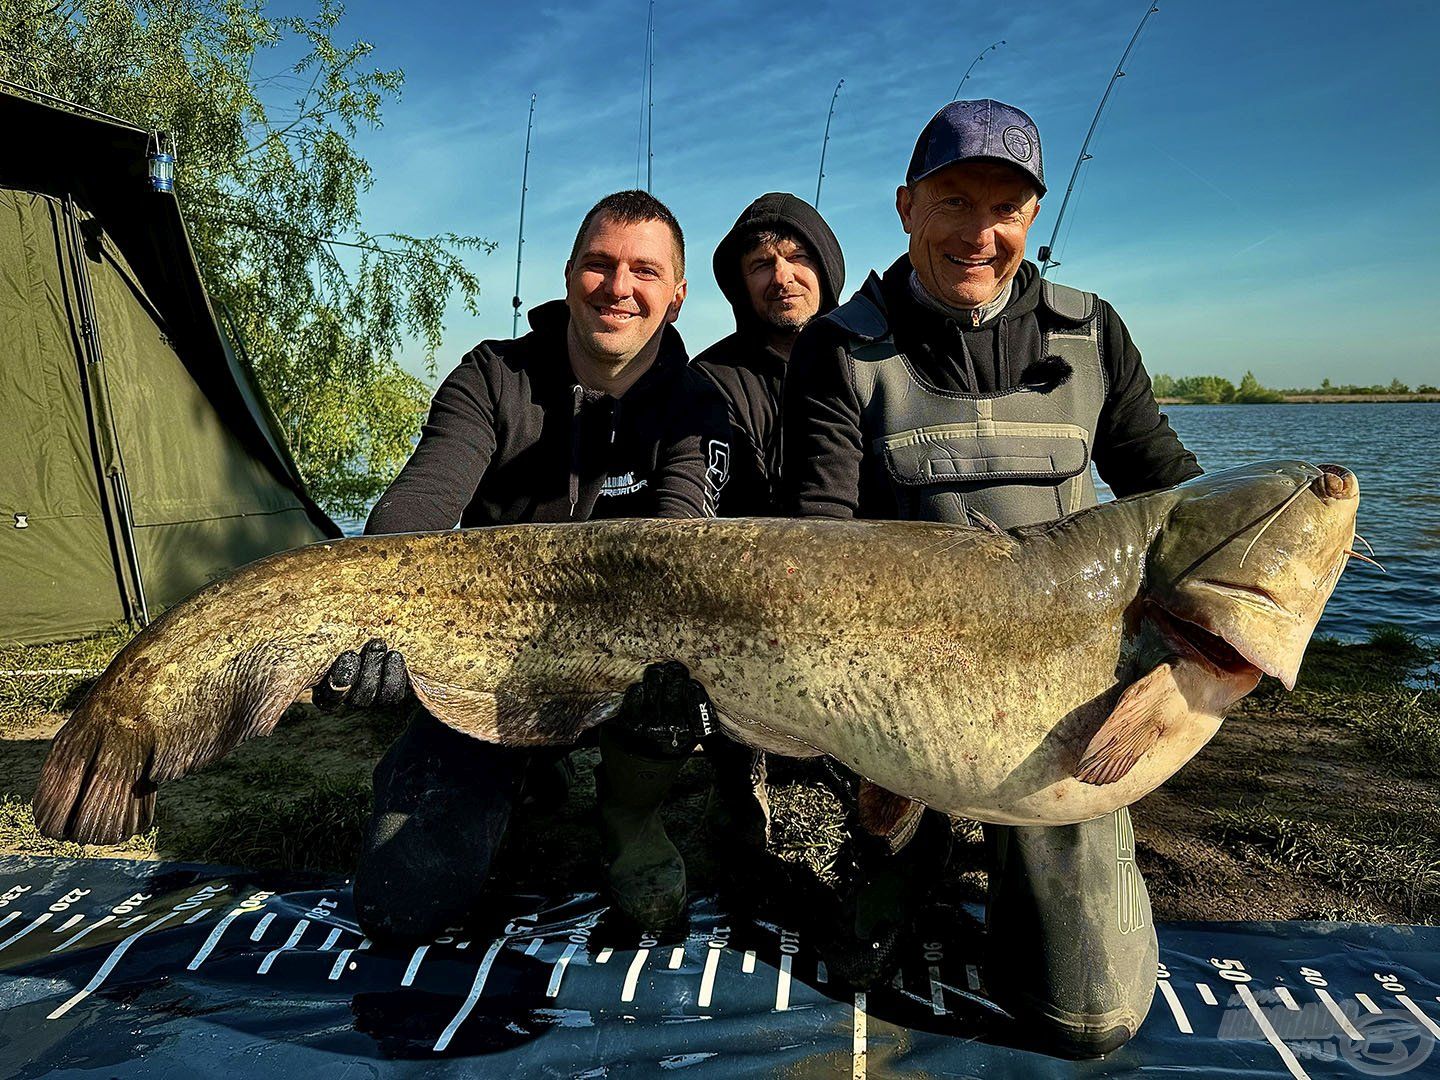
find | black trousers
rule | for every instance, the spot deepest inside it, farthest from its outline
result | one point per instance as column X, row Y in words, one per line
column 442, row 804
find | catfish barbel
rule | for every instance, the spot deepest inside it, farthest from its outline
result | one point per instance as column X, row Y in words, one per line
column 1045, row 675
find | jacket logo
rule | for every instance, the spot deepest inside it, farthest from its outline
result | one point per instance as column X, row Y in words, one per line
column 624, row 484
column 716, row 473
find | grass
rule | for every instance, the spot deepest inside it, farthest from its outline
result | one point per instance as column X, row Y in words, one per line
column 18, row 832
column 36, row 679
column 319, row 828
column 1379, row 858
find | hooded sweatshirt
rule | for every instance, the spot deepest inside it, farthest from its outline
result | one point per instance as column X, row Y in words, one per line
column 834, row 474
column 744, row 365
column 512, row 437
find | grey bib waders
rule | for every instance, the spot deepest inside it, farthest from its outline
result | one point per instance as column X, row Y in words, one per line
column 1070, row 939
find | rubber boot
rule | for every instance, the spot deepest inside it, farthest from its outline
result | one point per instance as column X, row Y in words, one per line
column 1070, row 946
column 643, row 869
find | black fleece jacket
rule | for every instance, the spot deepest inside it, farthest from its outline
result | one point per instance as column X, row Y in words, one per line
column 744, row 365
column 512, row 437
column 1135, row 448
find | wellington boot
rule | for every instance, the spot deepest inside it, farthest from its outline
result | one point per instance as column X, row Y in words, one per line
column 643, row 869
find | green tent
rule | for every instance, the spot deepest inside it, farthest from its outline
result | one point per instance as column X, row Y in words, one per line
column 137, row 458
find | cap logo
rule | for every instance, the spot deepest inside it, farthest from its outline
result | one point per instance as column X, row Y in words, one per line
column 1017, row 142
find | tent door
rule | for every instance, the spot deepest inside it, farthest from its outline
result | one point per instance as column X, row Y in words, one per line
column 109, row 461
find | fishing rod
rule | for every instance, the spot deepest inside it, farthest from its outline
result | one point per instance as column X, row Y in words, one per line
column 645, row 133
column 650, row 107
column 825, row 145
column 956, row 95
column 1045, row 253
column 520, row 244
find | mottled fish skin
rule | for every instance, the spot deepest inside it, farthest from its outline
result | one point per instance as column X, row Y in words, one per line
column 964, row 668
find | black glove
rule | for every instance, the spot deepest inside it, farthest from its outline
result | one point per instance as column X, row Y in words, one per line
column 667, row 712
column 373, row 676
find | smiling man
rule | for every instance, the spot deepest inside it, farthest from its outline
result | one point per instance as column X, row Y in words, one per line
column 595, row 413
column 961, row 387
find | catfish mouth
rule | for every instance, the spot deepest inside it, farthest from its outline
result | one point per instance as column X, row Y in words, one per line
column 1207, row 646
column 1252, row 595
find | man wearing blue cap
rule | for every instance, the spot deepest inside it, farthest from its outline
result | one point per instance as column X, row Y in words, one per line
column 961, row 387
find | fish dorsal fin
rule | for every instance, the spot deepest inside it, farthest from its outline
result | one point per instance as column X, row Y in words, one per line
column 885, row 814
column 1132, row 727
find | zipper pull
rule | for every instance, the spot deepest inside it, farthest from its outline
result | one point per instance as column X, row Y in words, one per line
column 974, row 317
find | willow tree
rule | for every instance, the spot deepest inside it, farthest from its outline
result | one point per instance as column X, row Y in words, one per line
column 264, row 111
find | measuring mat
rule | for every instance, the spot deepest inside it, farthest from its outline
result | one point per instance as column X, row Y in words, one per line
column 133, row 969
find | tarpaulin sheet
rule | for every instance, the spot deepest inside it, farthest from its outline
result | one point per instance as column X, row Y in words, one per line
column 129, row 969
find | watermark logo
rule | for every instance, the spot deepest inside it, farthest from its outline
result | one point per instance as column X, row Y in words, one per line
column 1391, row 1042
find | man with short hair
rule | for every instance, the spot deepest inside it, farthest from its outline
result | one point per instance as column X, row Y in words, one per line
column 593, row 414
column 779, row 266
column 960, row 386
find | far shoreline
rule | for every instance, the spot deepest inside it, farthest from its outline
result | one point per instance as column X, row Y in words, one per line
column 1319, row 399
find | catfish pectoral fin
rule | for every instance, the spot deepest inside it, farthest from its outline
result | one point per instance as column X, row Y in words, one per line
column 1131, row 729
column 885, row 814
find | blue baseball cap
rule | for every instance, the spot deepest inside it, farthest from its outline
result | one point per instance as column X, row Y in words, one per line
column 984, row 130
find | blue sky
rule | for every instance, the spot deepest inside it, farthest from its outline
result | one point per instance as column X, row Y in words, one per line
column 1264, row 192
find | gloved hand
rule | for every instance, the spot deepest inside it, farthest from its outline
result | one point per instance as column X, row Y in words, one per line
column 373, row 676
column 666, row 712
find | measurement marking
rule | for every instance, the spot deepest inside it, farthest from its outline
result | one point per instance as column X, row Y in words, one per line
column 344, row 957
column 972, row 977
column 707, row 977
column 627, row 992
column 463, row 945
column 1273, row 1039
column 1206, row 994
column 533, row 947
column 40, row 920
column 414, row 965
column 747, row 965
column 782, row 984
column 1176, row 1009
column 333, row 937
column 1286, row 998
column 76, row 937
column 9, row 918
column 558, row 971
column 1370, row 1006
column 290, row 943
column 937, row 995
column 603, row 956
column 262, row 926
column 71, row 921
column 677, row 957
column 214, row 938
column 132, row 920
column 1339, row 1015
column 475, row 988
column 1415, row 1012
column 822, row 973
column 197, row 916
column 857, row 1051
column 106, row 968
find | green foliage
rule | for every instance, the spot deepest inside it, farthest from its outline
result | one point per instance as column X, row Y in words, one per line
column 1205, row 389
column 264, row 111
column 1252, row 393
column 18, row 833
column 1163, row 386
column 319, row 829
column 36, row 679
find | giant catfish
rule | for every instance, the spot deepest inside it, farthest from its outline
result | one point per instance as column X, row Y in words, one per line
column 1044, row 675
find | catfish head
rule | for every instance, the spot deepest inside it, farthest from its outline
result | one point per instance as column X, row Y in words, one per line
column 1248, row 557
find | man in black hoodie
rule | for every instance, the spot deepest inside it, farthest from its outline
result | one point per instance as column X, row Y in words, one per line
column 961, row 387
column 779, row 266
column 593, row 414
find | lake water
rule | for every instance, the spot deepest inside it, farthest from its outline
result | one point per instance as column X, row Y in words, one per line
column 1394, row 449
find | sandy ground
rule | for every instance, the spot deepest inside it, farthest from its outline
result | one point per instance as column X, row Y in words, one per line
column 1289, row 813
